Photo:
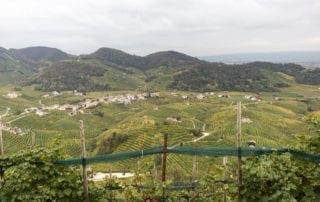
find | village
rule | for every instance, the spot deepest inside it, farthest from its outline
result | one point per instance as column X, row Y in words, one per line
column 123, row 99
column 78, row 108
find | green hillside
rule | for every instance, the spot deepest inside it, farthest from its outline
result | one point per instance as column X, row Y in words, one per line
column 18, row 65
column 141, row 124
column 37, row 56
column 12, row 71
column 110, row 69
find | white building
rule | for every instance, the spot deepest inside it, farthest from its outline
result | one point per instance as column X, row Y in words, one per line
column 55, row 93
column 200, row 96
column 13, row 95
column 40, row 113
column 45, row 96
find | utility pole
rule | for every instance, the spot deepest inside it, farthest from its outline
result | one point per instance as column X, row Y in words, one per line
column 84, row 166
column 164, row 163
column 239, row 149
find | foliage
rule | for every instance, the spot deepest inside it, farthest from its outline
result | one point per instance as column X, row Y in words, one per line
column 31, row 175
column 314, row 141
column 196, row 132
column 281, row 178
column 110, row 143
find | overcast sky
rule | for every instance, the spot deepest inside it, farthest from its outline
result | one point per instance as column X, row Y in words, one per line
column 196, row 27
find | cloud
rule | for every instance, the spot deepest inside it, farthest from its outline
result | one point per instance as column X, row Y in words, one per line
column 197, row 27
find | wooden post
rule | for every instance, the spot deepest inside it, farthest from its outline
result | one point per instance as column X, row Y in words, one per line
column 33, row 139
column 1, row 140
column 239, row 149
column 110, row 174
column 164, row 162
column 1, row 150
column 84, row 166
column 194, row 167
column 155, row 173
column 110, row 184
column 225, row 160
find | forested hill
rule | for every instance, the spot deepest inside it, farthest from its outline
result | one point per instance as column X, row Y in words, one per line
column 113, row 57
column 165, row 58
column 29, row 58
column 70, row 75
column 111, row 69
column 34, row 56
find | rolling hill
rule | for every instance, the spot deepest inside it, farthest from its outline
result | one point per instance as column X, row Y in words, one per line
column 70, row 75
column 12, row 70
column 52, row 69
column 34, row 56
column 120, row 58
column 17, row 65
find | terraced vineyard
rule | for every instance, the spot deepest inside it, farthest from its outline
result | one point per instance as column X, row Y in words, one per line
column 271, row 123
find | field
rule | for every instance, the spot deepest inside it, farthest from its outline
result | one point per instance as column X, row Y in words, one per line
column 272, row 122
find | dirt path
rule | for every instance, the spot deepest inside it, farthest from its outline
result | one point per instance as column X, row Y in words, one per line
column 16, row 119
column 205, row 134
column 5, row 114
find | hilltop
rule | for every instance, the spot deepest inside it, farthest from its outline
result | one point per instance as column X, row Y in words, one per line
column 17, row 65
column 165, row 58
column 33, row 56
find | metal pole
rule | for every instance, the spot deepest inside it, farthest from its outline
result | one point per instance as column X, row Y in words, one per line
column 164, row 162
column 84, row 166
column 239, row 149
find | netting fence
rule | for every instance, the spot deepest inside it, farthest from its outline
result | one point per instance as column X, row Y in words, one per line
column 209, row 151
column 183, row 189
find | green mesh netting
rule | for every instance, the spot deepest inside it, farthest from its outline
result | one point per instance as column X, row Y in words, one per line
column 210, row 151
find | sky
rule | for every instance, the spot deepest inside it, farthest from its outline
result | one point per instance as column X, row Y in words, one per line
column 195, row 27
